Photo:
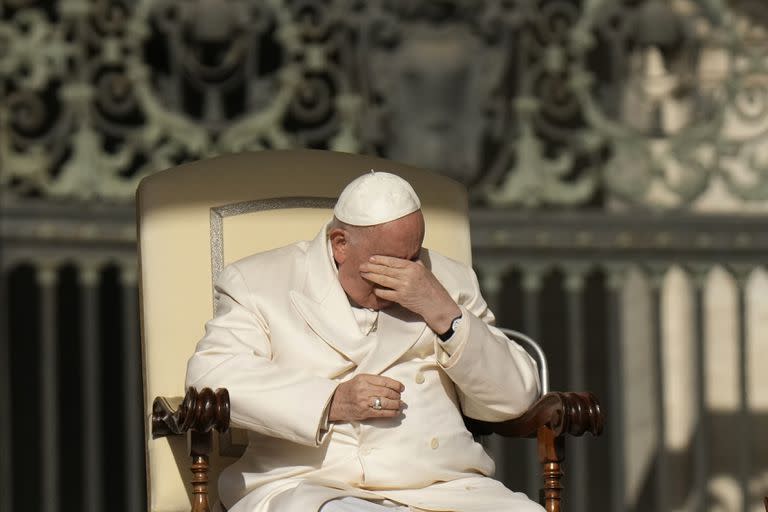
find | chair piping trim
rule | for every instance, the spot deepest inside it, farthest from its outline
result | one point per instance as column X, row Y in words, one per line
column 218, row 213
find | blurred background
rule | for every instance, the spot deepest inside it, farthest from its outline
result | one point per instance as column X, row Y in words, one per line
column 616, row 153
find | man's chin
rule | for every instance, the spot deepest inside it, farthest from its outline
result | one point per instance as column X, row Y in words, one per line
column 374, row 302
column 382, row 304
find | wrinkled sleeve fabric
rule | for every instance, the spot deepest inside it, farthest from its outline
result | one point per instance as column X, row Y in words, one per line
column 496, row 378
column 235, row 353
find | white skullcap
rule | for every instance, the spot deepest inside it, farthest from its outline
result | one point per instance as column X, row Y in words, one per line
column 376, row 198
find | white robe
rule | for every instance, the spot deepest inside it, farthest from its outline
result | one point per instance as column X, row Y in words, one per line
column 284, row 336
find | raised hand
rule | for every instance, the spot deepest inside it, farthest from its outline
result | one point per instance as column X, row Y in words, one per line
column 413, row 286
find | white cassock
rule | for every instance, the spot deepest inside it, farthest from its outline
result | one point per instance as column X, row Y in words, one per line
column 350, row 504
column 284, row 336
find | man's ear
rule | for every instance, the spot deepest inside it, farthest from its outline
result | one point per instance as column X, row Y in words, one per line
column 339, row 244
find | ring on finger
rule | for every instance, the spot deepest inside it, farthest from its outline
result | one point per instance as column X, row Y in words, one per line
column 376, row 403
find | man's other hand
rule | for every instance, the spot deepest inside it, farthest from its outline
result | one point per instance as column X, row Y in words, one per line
column 413, row 286
column 354, row 399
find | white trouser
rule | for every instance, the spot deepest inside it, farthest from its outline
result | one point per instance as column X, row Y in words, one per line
column 349, row 504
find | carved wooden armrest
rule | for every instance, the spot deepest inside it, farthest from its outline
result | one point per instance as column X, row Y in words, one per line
column 550, row 419
column 199, row 414
column 563, row 413
column 199, row 411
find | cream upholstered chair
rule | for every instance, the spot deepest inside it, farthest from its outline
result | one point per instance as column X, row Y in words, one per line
column 196, row 218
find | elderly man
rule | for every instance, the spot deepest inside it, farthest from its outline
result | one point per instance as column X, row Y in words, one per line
column 350, row 359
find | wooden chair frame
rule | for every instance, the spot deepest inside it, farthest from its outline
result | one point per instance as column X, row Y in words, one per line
column 549, row 420
column 206, row 190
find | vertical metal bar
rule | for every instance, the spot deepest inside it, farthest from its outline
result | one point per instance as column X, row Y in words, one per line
column 91, row 388
column 532, row 277
column 615, row 284
column 47, row 278
column 700, row 444
column 134, row 404
column 661, row 473
column 577, row 457
column 6, row 427
column 741, row 275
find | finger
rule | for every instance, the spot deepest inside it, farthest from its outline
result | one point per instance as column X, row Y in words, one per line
column 386, row 294
column 380, row 380
column 384, row 392
column 384, row 413
column 386, row 403
column 386, row 281
column 389, row 261
column 381, row 269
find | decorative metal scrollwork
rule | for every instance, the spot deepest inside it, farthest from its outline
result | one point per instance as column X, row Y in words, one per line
column 530, row 102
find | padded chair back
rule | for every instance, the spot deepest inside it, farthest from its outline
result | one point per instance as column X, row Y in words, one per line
column 196, row 218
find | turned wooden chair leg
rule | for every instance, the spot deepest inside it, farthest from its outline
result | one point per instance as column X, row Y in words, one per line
column 200, row 446
column 198, row 416
column 551, row 456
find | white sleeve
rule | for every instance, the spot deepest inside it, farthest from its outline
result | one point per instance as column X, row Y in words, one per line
column 236, row 354
column 496, row 378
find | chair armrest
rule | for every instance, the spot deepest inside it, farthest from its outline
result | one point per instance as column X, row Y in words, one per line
column 198, row 412
column 550, row 419
column 562, row 412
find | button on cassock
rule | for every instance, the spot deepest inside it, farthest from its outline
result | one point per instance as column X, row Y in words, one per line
column 434, row 443
column 419, row 378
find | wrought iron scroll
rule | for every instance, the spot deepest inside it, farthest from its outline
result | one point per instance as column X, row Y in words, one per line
column 652, row 103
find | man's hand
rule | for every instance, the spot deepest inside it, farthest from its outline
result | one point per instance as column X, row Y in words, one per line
column 413, row 286
column 353, row 400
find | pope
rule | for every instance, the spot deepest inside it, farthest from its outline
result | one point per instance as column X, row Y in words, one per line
column 350, row 360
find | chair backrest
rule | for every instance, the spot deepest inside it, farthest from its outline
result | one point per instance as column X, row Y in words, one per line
column 197, row 217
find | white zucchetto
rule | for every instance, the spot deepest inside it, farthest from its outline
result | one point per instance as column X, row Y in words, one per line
column 376, row 198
